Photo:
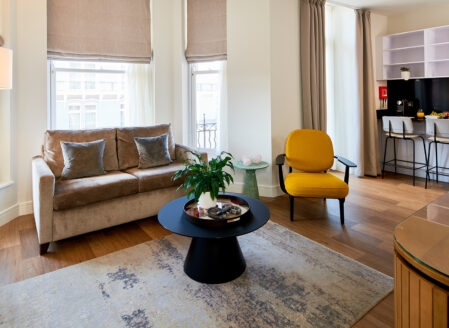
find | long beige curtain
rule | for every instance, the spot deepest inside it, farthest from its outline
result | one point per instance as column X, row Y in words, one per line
column 206, row 30
column 313, row 64
column 139, row 95
column 368, row 123
column 115, row 30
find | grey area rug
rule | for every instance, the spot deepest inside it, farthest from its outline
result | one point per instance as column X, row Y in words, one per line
column 290, row 281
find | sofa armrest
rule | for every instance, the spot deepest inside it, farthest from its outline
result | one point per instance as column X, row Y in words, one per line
column 43, row 191
column 182, row 153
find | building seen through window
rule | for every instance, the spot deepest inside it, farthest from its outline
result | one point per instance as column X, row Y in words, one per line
column 88, row 95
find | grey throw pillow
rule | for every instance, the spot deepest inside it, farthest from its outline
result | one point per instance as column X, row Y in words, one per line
column 153, row 151
column 82, row 159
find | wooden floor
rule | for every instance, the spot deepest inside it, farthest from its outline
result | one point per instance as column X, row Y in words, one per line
column 373, row 208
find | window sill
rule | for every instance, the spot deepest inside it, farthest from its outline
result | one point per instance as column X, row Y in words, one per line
column 4, row 185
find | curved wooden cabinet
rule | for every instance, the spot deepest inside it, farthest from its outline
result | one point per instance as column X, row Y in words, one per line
column 421, row 287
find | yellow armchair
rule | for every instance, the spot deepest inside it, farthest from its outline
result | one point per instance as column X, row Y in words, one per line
column 311, row 153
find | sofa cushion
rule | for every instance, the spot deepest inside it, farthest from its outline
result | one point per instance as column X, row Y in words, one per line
column 79, row 192
column 52, row 151
column 82, row 159
column 315, row 185
column 156, row 177
column 126, row 147
column 153, row 151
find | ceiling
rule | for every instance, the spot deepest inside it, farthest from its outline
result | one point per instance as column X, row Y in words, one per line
column 389, row 7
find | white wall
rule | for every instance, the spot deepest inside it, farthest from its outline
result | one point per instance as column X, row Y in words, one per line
column 286, row 114
column 8, row 172
column 27, row 113
column 163, row 29
column 430, row 16
column 249, row 82
column 170, row 66
column 31, row 92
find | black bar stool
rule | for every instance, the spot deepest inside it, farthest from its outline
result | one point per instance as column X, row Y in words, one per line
column 438, row 132
column 401, row 128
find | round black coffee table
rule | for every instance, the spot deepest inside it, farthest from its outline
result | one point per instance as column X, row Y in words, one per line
column 214, row 255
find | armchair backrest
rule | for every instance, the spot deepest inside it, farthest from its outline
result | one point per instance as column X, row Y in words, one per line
column 309, row 150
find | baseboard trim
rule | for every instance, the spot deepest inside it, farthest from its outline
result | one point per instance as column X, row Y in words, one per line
column 14, row 211
column 26, row 208
column 9, row 214
column 264, row 190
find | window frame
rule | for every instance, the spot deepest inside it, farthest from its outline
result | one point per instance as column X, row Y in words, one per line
column 192, row 128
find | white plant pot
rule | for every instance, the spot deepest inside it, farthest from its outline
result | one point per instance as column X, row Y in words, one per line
column 405, row 75
column 205, row 201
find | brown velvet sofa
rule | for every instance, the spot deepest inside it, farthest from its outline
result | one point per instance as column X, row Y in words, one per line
column 66, row 208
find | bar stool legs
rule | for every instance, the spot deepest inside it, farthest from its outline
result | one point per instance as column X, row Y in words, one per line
column 413, row 141
column 394, row 151
column 427, row 155
column 437, row 167
column 436, row 159
column 426, row 158
column 395, row 160
column 385, row 155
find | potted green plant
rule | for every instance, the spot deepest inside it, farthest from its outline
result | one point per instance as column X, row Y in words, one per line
column 204, row 180
column 405, row 73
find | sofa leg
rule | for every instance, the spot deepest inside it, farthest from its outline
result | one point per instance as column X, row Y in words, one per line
column 342, row 210
column 43, row 248
column 292, row 207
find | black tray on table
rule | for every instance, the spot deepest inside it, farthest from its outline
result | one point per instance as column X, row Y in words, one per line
column 206, row 218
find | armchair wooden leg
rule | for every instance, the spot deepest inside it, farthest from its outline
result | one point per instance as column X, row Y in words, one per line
column 342, row 210
column 43, row 248
column 292, row 207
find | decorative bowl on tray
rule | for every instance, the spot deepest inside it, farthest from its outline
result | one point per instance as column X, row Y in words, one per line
column 229, row 209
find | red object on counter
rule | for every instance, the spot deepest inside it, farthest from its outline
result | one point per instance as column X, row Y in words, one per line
column 383, row 92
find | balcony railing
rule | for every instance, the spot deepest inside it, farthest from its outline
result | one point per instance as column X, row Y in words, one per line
column 206, row 134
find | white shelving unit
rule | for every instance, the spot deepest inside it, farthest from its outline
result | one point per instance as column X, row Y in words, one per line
column 424, row 52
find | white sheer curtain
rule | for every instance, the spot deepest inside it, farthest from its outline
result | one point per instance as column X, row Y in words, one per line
column 140, row 95
column 343, row 114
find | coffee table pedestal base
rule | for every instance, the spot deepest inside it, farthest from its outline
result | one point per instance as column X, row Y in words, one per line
column 214, row 261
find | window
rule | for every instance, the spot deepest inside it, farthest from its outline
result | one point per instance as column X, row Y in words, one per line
column 90, row 114
column 342, row 81
column 75, row 85
column 87, row 95
column 205, row 104
column 89, row 85
column 122, row 114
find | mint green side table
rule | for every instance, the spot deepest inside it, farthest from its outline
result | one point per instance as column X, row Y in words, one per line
column 250, row 187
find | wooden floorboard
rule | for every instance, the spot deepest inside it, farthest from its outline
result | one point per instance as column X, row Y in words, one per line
column 373, row 208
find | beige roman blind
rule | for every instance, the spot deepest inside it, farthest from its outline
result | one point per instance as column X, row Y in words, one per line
column 206, row 30
column 114, row 30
